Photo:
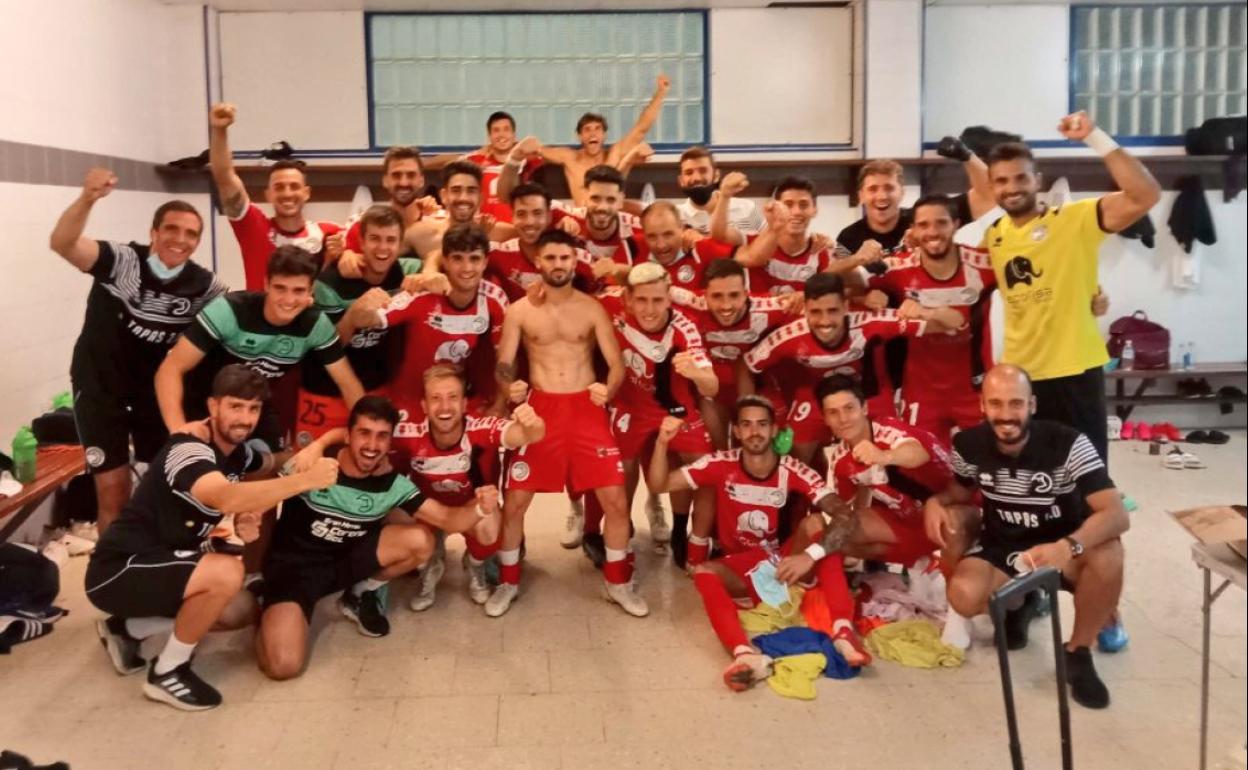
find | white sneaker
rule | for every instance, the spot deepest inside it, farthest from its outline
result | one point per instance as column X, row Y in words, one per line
column 478, row 586
column 574, row 525
column 77, row 546
column 625, row 595
column 430, row 576
column 56, row 551
column 660, row 532
column 500, row 600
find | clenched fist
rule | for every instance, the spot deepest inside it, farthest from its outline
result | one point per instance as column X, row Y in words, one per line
column 334, row 246
column 1076, row 126
column 323, row 473
column 221, row 115
column 598, row 394
column 98, row 183
column 668, row 429
column 526, row 416
column 868, row 453
column 734, row 183
column 517, row 391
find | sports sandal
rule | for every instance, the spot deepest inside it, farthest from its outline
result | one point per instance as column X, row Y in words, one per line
column 1174, row 459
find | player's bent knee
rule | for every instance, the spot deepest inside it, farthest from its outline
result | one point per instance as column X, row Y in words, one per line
column 283, row 663
column 967, row 596
column 224, row 574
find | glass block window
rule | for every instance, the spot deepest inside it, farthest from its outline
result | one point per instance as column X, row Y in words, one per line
column 1157, row 70
column 436, row 77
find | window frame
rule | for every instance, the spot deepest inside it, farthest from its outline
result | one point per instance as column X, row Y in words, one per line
column 1132, row 140
column 703, row 15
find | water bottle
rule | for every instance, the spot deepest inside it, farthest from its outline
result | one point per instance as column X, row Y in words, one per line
column 1128, row 356
column 1189, row 356
column 24, row 448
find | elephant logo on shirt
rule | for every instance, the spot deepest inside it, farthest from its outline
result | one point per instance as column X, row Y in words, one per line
column 1020, row 270
column 753, row 522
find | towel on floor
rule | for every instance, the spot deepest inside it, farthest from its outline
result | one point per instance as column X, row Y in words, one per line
column 794, row 676
column 914, row 643
column 799, row 641
column 764, row 618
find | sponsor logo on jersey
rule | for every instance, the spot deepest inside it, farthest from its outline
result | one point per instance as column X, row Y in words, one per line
column 1019, row 270
column 752, row 494
column 1039, row 233
column 1042, row 483
column 452, row 351
column 753, row 522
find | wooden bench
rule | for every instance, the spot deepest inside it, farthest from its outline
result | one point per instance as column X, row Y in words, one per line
column 1124, row 403
column 54, row 466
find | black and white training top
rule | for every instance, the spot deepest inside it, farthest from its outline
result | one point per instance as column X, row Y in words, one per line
column 133, row 318
column 1039, row 496
column 163, row 515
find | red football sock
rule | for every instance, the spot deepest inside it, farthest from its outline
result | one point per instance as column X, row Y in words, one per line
column 478, row 550
column 698, row 551
column 835, row 588
column 721, row 610
column 618, row 571
column 509, row 573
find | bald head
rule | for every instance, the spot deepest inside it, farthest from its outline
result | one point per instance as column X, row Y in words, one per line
column 1008, row 404
column 1007, row 378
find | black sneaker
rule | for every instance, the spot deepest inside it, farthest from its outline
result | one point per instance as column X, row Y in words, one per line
column 1018, row 622
column 122, row 648
column 181, row 688
column 368, row 610
column 595, row 548
column 1086, row 688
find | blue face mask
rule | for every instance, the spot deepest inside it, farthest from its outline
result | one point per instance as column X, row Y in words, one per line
column 161, row 270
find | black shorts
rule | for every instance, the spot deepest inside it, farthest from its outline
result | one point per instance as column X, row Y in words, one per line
column 1004, row 556
column 108, row 423
column 305, row 578
column 1077, row 401
column 150, row 584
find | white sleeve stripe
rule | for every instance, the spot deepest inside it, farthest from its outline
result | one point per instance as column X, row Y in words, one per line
column 185, row 455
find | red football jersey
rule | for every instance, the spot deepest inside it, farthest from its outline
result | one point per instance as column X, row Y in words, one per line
column 626, row 245
column 687, row 268
column 747, row 509
column 786, row 272
column 644, row 352
column 513, row 271
column 258, row 236
column 726, row 344
column 452, row 474
column 940, row 363
column 794, row 343
column 441, row 333
column 491, row 170
column 903, row 491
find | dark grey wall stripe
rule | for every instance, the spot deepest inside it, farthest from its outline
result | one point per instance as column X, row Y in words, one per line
column 38, row 164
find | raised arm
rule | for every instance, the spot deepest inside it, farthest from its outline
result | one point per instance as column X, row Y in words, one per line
column 509, row 179
column 733, row 183
column 979, row 195
column 1137, row 192
column 646, row 119
column 66, row 238
column 170, row 381
column 216, row 491
column 230, row 187
column 659, row 476
column 639, row 155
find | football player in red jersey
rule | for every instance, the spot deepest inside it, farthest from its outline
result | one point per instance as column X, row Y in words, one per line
column 460, row 328
column 831, row 340
column 668, row 373
column 500, row 129
column 450, row 454
column 942, row 372
column 751, row 484
column 513, row 263
column 287, row 192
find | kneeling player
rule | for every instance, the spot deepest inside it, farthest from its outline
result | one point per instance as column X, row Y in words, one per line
column 449, row 455
column 886, row 470
column 337, row 539
column 158, row 562
column 752, row 484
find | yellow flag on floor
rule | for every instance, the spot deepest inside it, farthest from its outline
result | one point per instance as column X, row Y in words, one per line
column 793, row 676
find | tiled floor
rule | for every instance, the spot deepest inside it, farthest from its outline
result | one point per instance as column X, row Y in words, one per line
column 567, row 681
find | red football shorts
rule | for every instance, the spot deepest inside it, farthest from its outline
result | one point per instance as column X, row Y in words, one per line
column 940, row 414
column 578, row 452
column 635, row 431
column 911, row 538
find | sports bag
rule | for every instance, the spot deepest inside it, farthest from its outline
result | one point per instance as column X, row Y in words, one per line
column 1151, row 341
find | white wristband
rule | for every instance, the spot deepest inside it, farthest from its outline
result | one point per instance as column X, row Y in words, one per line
column 816, row 551
column 695, row 540
column 1100, row 142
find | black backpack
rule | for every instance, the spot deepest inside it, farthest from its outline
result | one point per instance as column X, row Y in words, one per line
column 1218, row 136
